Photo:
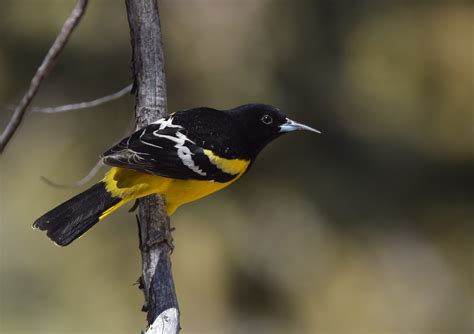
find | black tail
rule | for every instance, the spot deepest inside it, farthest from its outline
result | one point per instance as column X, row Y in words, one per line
column 73, row 218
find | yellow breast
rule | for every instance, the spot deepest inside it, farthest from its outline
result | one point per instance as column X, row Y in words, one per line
column 130, row 184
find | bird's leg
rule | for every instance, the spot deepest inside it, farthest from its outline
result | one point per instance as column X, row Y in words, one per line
column 134, row 206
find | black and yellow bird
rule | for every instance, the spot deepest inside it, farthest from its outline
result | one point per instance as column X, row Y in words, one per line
column 184, row 157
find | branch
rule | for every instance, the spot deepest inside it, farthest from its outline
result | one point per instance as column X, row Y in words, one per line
column 154, row 225
column 48, row 63
column 167, row 322
column 93, row 172
column 83, row 105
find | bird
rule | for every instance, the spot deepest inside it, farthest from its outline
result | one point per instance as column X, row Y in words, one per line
column 183, row 157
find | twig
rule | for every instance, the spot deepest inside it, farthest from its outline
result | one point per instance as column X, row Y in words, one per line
column 83, row 105
column 48, row 63
column 93, row 172
column 154, row 225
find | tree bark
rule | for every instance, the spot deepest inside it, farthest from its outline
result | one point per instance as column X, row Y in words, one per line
column 154, row 225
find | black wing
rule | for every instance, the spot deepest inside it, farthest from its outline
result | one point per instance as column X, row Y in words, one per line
column 164, row 149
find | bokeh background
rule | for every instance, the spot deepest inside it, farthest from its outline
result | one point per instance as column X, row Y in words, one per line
column 367, row 228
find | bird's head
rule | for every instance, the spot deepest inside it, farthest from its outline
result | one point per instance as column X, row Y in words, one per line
column 263, row 123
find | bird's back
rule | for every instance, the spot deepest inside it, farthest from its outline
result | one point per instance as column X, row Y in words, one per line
column 214, row 130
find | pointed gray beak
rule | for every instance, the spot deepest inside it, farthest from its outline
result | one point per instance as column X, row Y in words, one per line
column 294, row 126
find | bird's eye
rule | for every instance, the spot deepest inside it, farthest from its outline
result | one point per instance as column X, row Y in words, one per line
column 267, row 119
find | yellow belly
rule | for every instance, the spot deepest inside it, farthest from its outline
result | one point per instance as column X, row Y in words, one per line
column 130, row 184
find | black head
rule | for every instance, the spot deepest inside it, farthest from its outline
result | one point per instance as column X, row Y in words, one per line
column 263, row 123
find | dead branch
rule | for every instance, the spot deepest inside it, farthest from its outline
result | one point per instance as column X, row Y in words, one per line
column 48, row 63
column 93, row 172
column 84, row 105
column 154, row 225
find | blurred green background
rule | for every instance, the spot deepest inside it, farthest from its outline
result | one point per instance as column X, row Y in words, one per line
column 367, row 228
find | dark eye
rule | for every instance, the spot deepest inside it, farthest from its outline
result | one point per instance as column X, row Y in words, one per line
column 267, row 119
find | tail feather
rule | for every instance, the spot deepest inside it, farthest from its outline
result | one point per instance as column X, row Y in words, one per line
column 73, row 218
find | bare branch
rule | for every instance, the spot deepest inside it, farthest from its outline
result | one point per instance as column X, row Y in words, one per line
column 93, row 172
column 154, row 224
column 48, row 63
column 165, row 323
column 83, row 105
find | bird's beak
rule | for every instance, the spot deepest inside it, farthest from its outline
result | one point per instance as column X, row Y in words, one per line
column 294, row 126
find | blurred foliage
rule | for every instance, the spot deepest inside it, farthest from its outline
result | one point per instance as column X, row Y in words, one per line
column 367, row 228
